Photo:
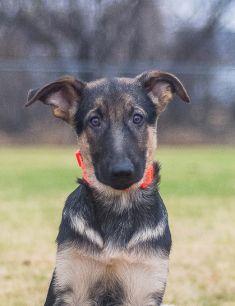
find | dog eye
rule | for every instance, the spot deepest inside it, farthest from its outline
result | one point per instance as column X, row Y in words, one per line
column 95, row 121
column 138, row 119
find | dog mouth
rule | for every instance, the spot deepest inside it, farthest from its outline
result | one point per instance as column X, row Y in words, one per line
column 121, row 185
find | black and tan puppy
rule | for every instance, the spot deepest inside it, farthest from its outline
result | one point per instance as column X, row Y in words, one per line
column 114, row 240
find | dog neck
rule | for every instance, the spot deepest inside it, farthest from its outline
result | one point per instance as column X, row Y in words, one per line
column 120, row 200
column 111, row 217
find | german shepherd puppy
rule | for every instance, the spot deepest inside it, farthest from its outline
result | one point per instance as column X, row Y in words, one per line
column 114, row 240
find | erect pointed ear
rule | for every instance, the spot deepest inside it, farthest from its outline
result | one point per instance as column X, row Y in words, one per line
column 160, row 86
column 63, row 95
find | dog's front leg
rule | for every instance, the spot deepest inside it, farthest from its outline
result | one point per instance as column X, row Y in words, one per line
column 51, row 297
column 57, row 297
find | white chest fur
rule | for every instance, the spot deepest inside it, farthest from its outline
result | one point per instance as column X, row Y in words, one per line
column 141, row 276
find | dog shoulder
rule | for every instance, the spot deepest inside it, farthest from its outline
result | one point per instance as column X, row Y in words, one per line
column 77, row 224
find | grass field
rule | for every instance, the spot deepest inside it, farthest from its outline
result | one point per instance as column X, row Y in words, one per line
column 198, row 187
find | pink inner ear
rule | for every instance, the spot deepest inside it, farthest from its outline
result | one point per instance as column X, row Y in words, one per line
column 160, row 88
column 58, row 99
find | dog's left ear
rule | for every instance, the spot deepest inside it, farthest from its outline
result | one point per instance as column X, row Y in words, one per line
column 160, row 87
column 63, row 96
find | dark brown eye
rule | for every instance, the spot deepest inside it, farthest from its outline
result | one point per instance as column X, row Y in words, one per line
column 138, row 119
column 95, row 121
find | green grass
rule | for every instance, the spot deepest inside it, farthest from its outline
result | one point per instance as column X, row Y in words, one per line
column 197, row 185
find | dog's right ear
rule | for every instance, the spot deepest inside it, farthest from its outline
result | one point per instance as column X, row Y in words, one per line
column 62, row 95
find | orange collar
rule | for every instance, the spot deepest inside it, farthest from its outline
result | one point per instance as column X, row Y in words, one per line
column 147, row 180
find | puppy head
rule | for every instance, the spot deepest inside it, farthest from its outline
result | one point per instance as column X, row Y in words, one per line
column 115, row 121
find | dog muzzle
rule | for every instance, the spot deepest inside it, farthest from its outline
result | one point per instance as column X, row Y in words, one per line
column 146, row 181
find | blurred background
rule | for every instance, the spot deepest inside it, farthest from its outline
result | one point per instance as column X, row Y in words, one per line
column 41, row 40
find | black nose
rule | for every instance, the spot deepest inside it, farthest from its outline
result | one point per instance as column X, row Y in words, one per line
column 123, row 169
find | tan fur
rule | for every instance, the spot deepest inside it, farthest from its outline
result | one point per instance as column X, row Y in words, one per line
column 80, row 226
column 86, row 156
column 151, row 144
column 148, row 233
column 96, row 83
column 57, row 112
column 140, row 275
column 126, row 80
column 99, row 104
column 104, row 191
column 120, row 107
column 90, row 171
column 142, row 279
column 78, row 272
column 161, row 95
column 127, row 101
